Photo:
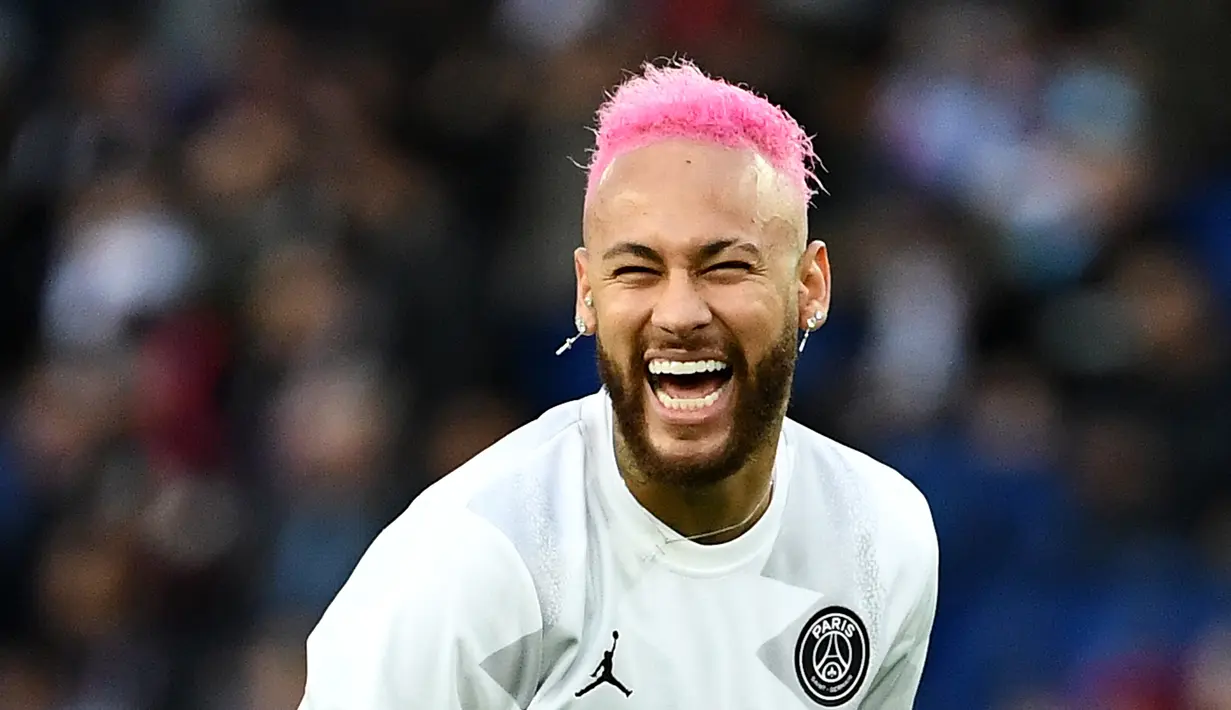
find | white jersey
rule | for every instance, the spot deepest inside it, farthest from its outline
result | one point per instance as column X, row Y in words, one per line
column 531, row 579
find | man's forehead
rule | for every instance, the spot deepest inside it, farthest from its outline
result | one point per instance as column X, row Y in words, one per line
column 675, row 221
column 689, row 181
column 704, row 166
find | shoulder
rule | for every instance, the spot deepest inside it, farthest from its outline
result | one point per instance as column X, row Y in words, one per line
column 883, row 498
column 435, row 594
column 464, row 541
column 443, row 562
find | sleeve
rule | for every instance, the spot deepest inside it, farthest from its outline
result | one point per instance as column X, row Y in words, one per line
column 427, row 604
column 895, row 686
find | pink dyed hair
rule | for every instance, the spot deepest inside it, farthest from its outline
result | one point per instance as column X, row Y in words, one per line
column 678, row 100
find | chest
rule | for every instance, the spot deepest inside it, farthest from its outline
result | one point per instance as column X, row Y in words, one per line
column 741, row 642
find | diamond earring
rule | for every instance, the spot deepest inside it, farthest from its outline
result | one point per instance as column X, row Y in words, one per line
column 581, row 330
column 813, row 322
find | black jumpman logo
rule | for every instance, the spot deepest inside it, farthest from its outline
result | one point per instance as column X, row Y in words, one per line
column 603, row 672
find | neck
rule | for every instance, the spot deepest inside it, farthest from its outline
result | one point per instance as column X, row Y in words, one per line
column 698, row 510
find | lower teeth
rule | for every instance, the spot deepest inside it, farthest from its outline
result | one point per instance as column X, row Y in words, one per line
column 688, row 404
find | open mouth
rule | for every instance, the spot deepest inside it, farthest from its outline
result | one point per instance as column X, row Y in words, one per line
column 688, row 385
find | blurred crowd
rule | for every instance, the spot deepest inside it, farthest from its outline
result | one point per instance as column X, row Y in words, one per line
column 268, row 269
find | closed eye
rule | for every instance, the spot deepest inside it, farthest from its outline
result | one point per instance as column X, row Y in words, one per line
column 632, row 271
column 728, row 265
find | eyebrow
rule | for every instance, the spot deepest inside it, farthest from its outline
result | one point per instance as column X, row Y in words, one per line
column 707, row 252
column 633, row 249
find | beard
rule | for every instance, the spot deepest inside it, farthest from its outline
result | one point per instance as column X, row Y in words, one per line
column 762, row 391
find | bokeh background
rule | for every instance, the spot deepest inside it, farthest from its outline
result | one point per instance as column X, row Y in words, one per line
column 268, row 269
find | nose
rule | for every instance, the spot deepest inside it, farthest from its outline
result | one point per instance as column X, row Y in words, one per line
column 680, row 309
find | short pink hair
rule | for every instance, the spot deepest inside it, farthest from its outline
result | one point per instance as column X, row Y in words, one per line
column 678, row 100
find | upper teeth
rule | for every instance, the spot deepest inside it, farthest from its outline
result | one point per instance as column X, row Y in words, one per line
column 685, row 367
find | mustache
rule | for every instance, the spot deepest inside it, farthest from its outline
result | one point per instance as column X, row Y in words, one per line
column 697, row 342
column 711, row 342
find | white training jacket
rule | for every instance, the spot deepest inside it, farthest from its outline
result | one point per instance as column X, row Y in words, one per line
column 531, row 578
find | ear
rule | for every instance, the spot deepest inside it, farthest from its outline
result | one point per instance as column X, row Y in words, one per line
column 581, row 265
column 814, row 284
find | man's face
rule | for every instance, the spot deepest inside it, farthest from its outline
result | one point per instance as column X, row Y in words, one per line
column 697, row 281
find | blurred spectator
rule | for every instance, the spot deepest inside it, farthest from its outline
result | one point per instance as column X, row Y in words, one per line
column 1049, row 154
column 330, row 430
column 1207, row 683
column 27, row 681
column 102, row 118
column 122, row 258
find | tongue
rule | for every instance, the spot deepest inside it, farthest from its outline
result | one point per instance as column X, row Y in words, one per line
column 690, row 386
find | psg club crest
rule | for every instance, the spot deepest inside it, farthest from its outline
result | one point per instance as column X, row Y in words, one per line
column 831, row 656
